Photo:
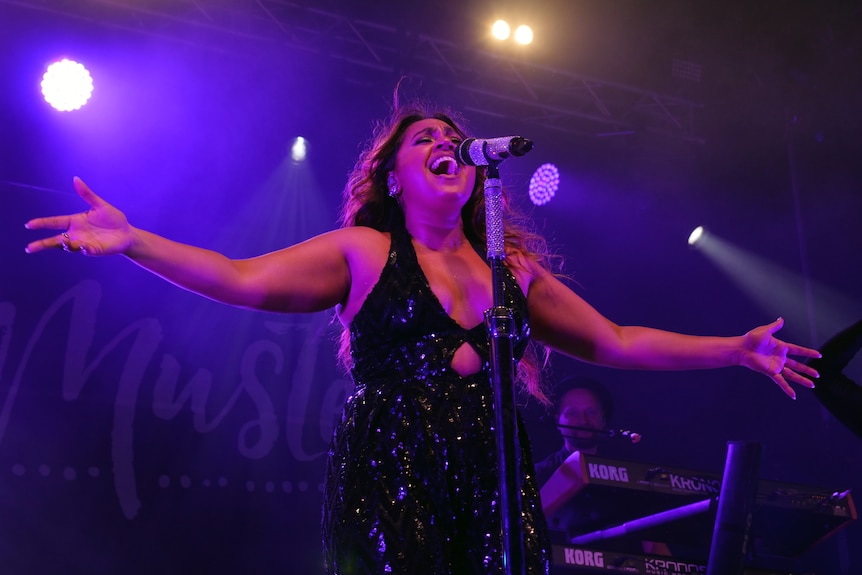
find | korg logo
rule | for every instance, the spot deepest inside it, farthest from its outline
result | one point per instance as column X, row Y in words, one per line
column 584, row 557
column 608, row 472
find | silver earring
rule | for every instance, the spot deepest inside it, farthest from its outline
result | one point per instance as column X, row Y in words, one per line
column 394, row 189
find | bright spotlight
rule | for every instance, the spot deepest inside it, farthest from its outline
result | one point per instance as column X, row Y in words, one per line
column 299, row 149
column 67, row 85
column 695, row 236
column 523, row 34
column 500, row 30
column 544, row 184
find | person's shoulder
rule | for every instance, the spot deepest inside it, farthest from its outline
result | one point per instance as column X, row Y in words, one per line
column 359, row 232
column 361, row 246
column 359, row 236
column 547, row 466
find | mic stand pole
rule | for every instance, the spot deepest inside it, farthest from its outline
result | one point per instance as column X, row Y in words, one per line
column 500, row 323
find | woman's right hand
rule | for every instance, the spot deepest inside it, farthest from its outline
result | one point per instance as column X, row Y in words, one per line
column 100, row 231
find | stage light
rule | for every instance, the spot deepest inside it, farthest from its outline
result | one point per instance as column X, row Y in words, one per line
column 544, row 184
column 523, row 34
column 299, row 149
column 695, row 236
column 67, row 85
column 780, row 290
column 500, row 30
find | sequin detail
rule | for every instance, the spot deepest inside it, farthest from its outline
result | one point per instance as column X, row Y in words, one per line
column 411, row 484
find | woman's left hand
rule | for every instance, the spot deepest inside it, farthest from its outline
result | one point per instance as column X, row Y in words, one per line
column 764, row 353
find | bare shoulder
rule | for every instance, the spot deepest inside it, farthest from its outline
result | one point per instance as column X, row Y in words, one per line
column 366, row 251
column 361, row 233
column 359, row 242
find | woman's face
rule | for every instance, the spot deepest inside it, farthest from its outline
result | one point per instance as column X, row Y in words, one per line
column 425, row 167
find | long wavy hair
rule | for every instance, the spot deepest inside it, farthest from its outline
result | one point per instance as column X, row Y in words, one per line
column 367, row 202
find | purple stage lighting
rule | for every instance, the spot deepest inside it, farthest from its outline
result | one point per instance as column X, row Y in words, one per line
column 544, row 184
column 67, row 85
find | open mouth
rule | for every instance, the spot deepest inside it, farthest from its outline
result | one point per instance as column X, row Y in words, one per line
column 444, row 165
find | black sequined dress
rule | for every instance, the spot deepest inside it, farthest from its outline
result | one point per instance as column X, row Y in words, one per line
column 411, row 484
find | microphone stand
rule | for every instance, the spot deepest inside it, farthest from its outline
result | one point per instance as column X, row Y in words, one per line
column 500, row 323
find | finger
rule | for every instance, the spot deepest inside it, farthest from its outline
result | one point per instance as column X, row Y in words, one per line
column 53, row 242
column 87, row 194
column 785, row 387
column 60, row 241
column 791, row 375
column 49, row 223
column 63, row 222
column 793, row 349
column 776, row 325
column 802, row 368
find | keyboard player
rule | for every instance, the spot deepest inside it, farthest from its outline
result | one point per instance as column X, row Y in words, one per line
column 582, row 411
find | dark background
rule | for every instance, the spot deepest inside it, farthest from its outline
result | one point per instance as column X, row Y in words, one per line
column 146, row 430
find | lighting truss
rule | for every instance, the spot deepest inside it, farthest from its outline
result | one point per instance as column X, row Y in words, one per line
column 488, row 82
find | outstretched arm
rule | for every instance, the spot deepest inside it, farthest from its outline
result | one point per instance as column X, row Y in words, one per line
column 310, row 276
column 564, row 321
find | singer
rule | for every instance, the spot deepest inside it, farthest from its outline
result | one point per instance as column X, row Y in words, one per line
column 411, row 480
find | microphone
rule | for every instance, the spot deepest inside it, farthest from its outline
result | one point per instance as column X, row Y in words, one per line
column 477, row 152
column 632, row 436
